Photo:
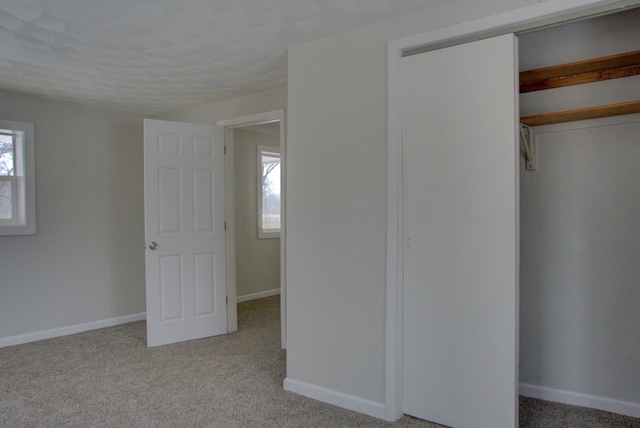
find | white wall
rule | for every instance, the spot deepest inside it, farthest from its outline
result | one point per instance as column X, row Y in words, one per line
column 257, row 260
column 580, row 246
column 336, row 202
column 580, row 234
column 86, row 262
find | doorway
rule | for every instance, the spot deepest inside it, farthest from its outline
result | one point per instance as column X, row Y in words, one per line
column 268, row 127
column 257, row 211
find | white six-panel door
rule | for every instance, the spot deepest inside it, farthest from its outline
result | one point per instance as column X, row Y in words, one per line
column 184, row 231
column 460, row 186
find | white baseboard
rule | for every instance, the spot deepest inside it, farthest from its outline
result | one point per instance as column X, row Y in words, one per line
column 259, row 295
column 584, row 400
column 72, row 329
column 346, row 401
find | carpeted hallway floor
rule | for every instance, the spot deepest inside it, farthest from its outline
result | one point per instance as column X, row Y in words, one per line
column 109, row 378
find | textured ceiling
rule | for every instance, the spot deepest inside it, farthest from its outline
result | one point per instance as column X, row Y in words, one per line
column 155, row 56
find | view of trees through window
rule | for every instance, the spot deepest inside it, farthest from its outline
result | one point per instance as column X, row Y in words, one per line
column 270, row 216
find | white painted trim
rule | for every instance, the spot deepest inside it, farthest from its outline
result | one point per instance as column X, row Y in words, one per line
column 516, row 279
column 583, row 400
column 260, row 295
column 229, row 126
column 283, row 228
column 253, row 119
column 229, row 196
column 395, row 257
column 526, row 18
column 72, row 329
column 346, row 401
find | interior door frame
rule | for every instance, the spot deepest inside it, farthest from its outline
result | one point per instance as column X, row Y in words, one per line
column 531, row 17
column 230, row 125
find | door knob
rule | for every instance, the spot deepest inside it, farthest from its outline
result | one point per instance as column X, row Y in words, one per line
column 153, row 245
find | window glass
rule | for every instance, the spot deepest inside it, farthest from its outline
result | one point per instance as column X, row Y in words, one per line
column 17, row 179
column 269, row 192
column 7, row 171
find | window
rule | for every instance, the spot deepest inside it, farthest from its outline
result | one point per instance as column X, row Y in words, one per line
column 17, row 179
column 268, row 192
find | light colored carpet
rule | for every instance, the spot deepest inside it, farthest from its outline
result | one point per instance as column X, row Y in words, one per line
column 109, row 378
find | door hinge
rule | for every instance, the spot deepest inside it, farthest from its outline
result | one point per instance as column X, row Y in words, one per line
column 225, row 150
column 227, row 300
column 225, row 225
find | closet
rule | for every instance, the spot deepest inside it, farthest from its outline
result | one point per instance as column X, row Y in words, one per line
column 577, row 239
column 580, row 213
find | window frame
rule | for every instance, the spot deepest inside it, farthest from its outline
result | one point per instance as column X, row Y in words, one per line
column 23, row 191
column 262, row 232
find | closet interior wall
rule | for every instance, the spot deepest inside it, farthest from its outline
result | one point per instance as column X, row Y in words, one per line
column 580, row 228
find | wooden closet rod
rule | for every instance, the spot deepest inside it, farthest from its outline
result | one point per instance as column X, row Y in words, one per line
column 576, row 73
column 582, row 114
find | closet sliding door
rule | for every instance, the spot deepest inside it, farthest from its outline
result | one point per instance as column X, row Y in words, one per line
column 460, row 191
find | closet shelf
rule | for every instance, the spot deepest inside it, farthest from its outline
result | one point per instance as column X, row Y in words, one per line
column 577, row 73
column 582, row 114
